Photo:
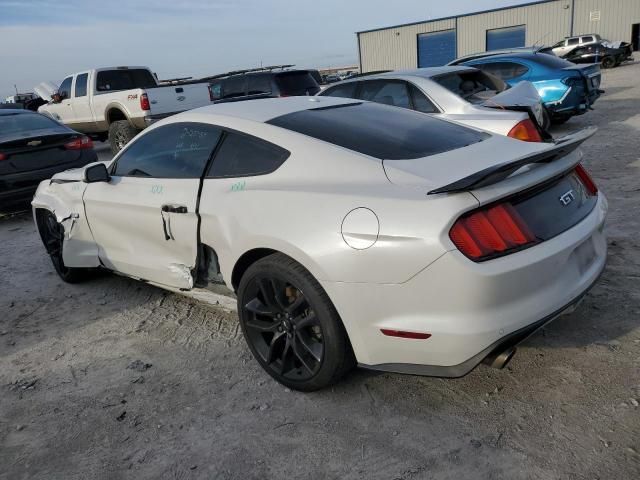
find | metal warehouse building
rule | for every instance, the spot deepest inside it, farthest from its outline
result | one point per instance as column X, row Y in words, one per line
column 436, row 42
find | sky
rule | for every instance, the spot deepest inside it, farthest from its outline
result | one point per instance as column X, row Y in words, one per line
column 44, row 40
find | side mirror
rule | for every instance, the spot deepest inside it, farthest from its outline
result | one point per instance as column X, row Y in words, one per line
column 96, row 173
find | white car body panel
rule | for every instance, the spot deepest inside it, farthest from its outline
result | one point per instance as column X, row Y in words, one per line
column 406, row 275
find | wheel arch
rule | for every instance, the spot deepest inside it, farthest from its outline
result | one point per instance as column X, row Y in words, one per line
column 114, row 112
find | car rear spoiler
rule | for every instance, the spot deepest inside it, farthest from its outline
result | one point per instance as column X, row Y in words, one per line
column 496, row 173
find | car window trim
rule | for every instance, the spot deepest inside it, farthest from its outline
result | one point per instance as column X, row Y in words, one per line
column 438, row 108
column 361, row 83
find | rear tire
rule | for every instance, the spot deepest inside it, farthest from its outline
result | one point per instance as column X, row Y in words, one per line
column 121, row 132
column 291, row 326
column 52, row 234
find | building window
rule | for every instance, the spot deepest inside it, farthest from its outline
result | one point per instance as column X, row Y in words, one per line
column 436, row 48
column 509, row 37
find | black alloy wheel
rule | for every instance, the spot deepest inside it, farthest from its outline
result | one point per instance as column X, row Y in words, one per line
column 291, row 326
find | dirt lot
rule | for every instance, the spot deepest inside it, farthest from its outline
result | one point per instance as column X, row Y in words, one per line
column 116, row 379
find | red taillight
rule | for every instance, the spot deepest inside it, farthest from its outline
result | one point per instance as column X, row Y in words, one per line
column 525, row 131
column 144, row 102
column 403, row 334
column 586, row 180
column 3, row 156
column 79, row 143
column 491, row 232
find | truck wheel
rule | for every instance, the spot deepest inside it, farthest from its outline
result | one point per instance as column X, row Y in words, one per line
column 608, row 62
column 121, row 132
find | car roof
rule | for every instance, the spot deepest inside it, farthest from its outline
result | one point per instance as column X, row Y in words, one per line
column 265, row 109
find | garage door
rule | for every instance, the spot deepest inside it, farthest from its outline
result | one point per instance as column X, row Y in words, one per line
column 509, row 37
column 436, row 48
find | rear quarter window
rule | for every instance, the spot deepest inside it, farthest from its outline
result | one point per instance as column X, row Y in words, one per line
column 396, row 133
column 243, row 155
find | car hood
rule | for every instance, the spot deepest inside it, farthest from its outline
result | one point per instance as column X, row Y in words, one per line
column 46, row 89
column 523, row 96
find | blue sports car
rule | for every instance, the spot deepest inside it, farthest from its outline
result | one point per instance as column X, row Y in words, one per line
column 566, row 89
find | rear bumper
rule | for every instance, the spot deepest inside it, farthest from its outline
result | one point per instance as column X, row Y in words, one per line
column 151, row 119
column 471, row 309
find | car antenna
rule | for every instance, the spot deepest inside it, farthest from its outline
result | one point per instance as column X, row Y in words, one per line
column 537, row 44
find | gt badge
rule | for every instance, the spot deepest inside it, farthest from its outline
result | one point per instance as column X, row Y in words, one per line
column 567, row 198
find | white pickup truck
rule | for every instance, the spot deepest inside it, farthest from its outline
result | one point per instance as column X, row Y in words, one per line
column 116, row 103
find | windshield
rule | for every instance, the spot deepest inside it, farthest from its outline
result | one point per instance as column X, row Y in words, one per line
column 114, row 80
column 473, row 86
column 380, row 131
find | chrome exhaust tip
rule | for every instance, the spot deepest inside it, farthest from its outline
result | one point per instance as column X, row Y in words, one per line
column 501, row 359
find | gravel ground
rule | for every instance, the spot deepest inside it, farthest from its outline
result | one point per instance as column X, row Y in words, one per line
column 117, row 379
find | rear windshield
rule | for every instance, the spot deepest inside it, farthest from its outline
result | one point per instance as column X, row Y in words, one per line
column 380, row 131
column 113, row 80
column 551, row 61
column 473, row 86
column 24, row 122
column 297, row 83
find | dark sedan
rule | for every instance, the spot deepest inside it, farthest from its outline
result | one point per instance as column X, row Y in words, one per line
column 33, row 148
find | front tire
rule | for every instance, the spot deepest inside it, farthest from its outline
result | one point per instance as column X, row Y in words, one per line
column 121, row 132
column 291, row 326
column 52, row 234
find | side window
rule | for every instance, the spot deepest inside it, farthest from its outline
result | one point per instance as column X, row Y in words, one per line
column 420, row 102
column 216, row 90
column 65, row 88
column 81, row 85
column 243, row 155
column 587, row 39
column 388, row 92
column 573, row 41
column 345, row 90
column 178, row 150
column 259, row 84
column 234, row 87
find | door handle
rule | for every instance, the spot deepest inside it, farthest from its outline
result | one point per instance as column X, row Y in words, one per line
column 174, row 209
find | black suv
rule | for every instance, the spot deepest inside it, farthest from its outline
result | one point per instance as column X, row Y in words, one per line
column 251, row 85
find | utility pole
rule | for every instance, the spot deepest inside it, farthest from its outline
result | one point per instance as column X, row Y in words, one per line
column 16, row 87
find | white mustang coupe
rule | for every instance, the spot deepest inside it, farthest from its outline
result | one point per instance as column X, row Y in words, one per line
column 350, row 231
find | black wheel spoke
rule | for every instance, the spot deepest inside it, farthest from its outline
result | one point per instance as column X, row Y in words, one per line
column 313, row 348
column 286, row 363
column 299, row 353
column 262, row 326
column 268, row 294
column 273, row 347
column 257, row 307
